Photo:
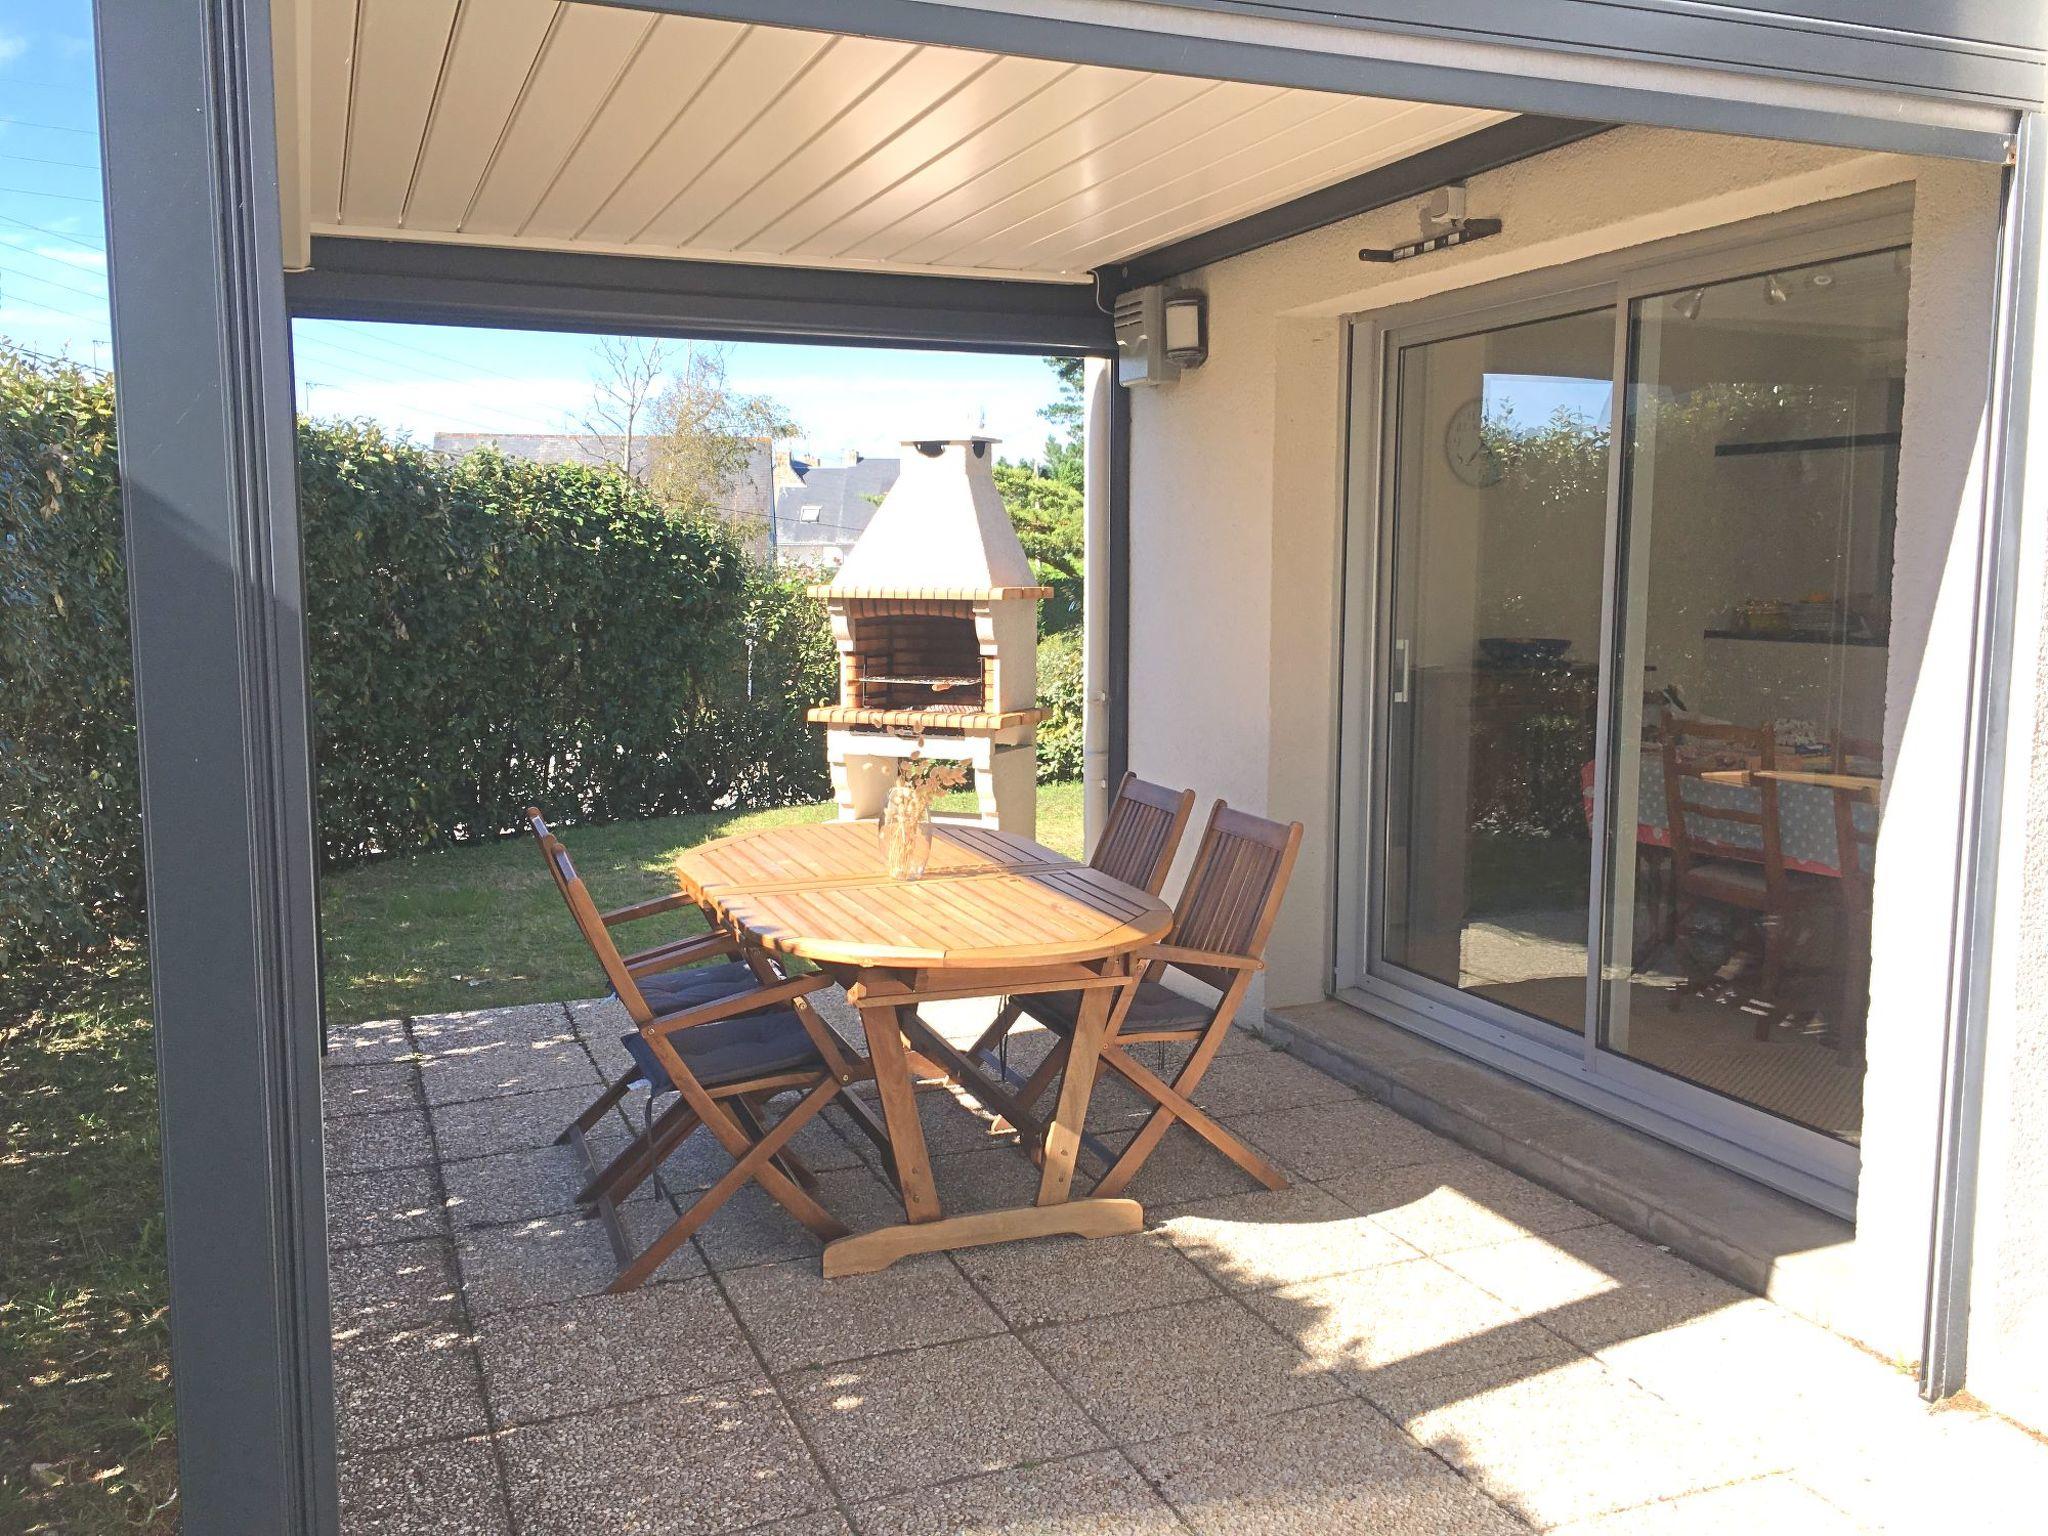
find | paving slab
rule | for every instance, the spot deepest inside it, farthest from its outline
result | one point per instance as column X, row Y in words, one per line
column 1770, row 1506
column 385, row 1207
column 1386, row 1329
column 1461, row 1202
column 368, row 1090
column 553, row 1259
column 517, row 1122
column 1142, row 1375
column 461, row 1033
column 892, row 1423
column 689, row 1464
column 398, row 1389
column 390, row 1286
column 519, row 1186
column 1279, row 1237
column 543, row 1362
column 1182, row 1168
column 369, row 1042
column 1569, row 1443
column 1330, row 1468
column 489, row 1068
column 1321, row 1141
column 799, row 1319
column 1262, row 1081
column 1066, row 1279
column 441, row 1488
column 388, row 1139
column 1099, row 1494
column 751, row 1228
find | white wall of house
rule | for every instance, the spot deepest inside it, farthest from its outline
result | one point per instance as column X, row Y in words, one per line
column 1238, row 520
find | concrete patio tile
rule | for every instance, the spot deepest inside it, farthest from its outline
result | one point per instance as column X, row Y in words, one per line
column 394, row 1389
column 442, row 1488
column 1770, row 1506
column 720, row 1459
column 1146, row 1374
column 1283, row 1237
column 366, row 1143
column 1259, row 1082
column 370, row 1090
column 383, row 1207
column 1093, row 1495
column 1461, row 1202
column 516, row 1122
column 519, row 1186
column 1568, row 1443
column 1335, row 1467
column 1383, row 1330
column 751, row 1228
column 553, row 1259
column 996, row 1177
column 389, row 1286
column 368, row 1042
column 1181, row 1169
column 1066, row 1279
column 1959, row 1471
column 543, row 1362
column 458, row 1034
column 797, row 1318
column 892, row 1423
column 952, row 1125
column 491, row 1068
column 1595, row 1285
column 1322, row 1141
column 824, row 1523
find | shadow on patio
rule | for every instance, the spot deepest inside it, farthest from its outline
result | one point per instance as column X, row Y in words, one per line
column 1409, row 1339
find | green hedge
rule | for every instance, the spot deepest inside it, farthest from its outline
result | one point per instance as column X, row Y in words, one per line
column 482, row 635
column 1060, row 691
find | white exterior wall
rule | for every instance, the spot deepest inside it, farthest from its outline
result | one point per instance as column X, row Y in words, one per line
column 1237, row 517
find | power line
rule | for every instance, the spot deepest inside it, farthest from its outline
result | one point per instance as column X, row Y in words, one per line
column 7, row 244
column 22, row 122
column 37, row 277
column 55, row 234
column 470, row 377
column 76, row 165
column 62, row 197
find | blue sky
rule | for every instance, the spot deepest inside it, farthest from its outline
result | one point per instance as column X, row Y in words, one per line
column 417, row 379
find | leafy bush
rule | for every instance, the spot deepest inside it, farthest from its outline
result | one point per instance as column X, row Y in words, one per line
column 482, row 635
column 1059, row 690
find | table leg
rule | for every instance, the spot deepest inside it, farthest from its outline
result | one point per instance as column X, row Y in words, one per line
column 1063, row 1135
column 899, row 1108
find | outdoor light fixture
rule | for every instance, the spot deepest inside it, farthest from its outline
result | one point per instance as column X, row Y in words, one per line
column 1187, row 328
column 1687, row 305
column 1444, row 225
column 1774, row 291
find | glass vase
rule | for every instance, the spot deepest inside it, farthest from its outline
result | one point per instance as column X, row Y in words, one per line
column 906, row 831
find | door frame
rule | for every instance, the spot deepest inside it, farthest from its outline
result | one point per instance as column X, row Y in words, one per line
column 1807, row 1164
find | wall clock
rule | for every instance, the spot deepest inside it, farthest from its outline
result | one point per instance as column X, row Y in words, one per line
column 1466, row 450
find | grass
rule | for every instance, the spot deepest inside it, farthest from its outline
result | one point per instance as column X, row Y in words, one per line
column 86, row 1429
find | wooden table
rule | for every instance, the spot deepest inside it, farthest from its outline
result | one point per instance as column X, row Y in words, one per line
column 995, row 915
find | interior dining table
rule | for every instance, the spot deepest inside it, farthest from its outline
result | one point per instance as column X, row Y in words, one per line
column 994, row 915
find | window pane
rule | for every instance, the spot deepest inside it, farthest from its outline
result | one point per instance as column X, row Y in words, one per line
column 1760, row 458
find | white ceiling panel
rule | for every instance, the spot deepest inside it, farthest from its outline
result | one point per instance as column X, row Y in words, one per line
column 551, row 124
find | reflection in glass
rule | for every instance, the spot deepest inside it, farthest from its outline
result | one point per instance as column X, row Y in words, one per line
column 1760, row 457
column 1490, row 692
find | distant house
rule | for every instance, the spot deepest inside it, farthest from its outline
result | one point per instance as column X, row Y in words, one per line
column 747, row 502
column 820, row 509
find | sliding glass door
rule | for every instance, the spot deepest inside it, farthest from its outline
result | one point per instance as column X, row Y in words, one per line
column 1627, row 693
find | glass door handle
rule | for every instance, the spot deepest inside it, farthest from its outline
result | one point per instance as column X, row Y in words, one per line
column 1400, row 672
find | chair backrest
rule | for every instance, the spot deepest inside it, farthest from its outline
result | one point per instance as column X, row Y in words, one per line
column 1142, row 833
column 1232, row 898
column 1855, row 843
column 1693, row 749
column 588, row 920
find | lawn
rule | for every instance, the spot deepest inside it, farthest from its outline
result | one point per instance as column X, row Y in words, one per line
column 86, row 1434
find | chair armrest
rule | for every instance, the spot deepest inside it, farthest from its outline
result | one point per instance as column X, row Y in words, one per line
column 735, row 1005
column 652, row 907
column 1178, row 954
column 667, row 957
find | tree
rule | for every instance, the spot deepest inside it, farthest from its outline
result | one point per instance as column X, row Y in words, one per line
column 705, row 433
column 625, row 387
column 1068, row 415
column 1050, row 522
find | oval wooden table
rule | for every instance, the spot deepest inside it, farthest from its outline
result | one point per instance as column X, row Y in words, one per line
column 995, row 915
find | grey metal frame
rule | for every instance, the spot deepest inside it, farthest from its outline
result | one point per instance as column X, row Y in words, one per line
column 1804, row 1163
column 201, row 346
column 202, row 354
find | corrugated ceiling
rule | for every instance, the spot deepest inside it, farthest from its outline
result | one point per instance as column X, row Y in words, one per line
column 537, row 123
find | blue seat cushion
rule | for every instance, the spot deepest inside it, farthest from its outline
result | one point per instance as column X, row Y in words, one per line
column 1157, row 1006
column 731, row 1050
column 670, row 991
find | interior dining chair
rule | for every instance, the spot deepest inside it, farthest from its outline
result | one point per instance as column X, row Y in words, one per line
column 1855, row 857
column 1139, row 838
column 1708, row 867
column 724, row 1046
column 1221, row 924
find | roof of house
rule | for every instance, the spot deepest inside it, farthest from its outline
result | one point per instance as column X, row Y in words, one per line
column 845, row 497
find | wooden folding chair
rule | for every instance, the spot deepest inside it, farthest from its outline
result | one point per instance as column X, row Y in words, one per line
column 1139, row 839
column 1221, row 924
column 725, row 1051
